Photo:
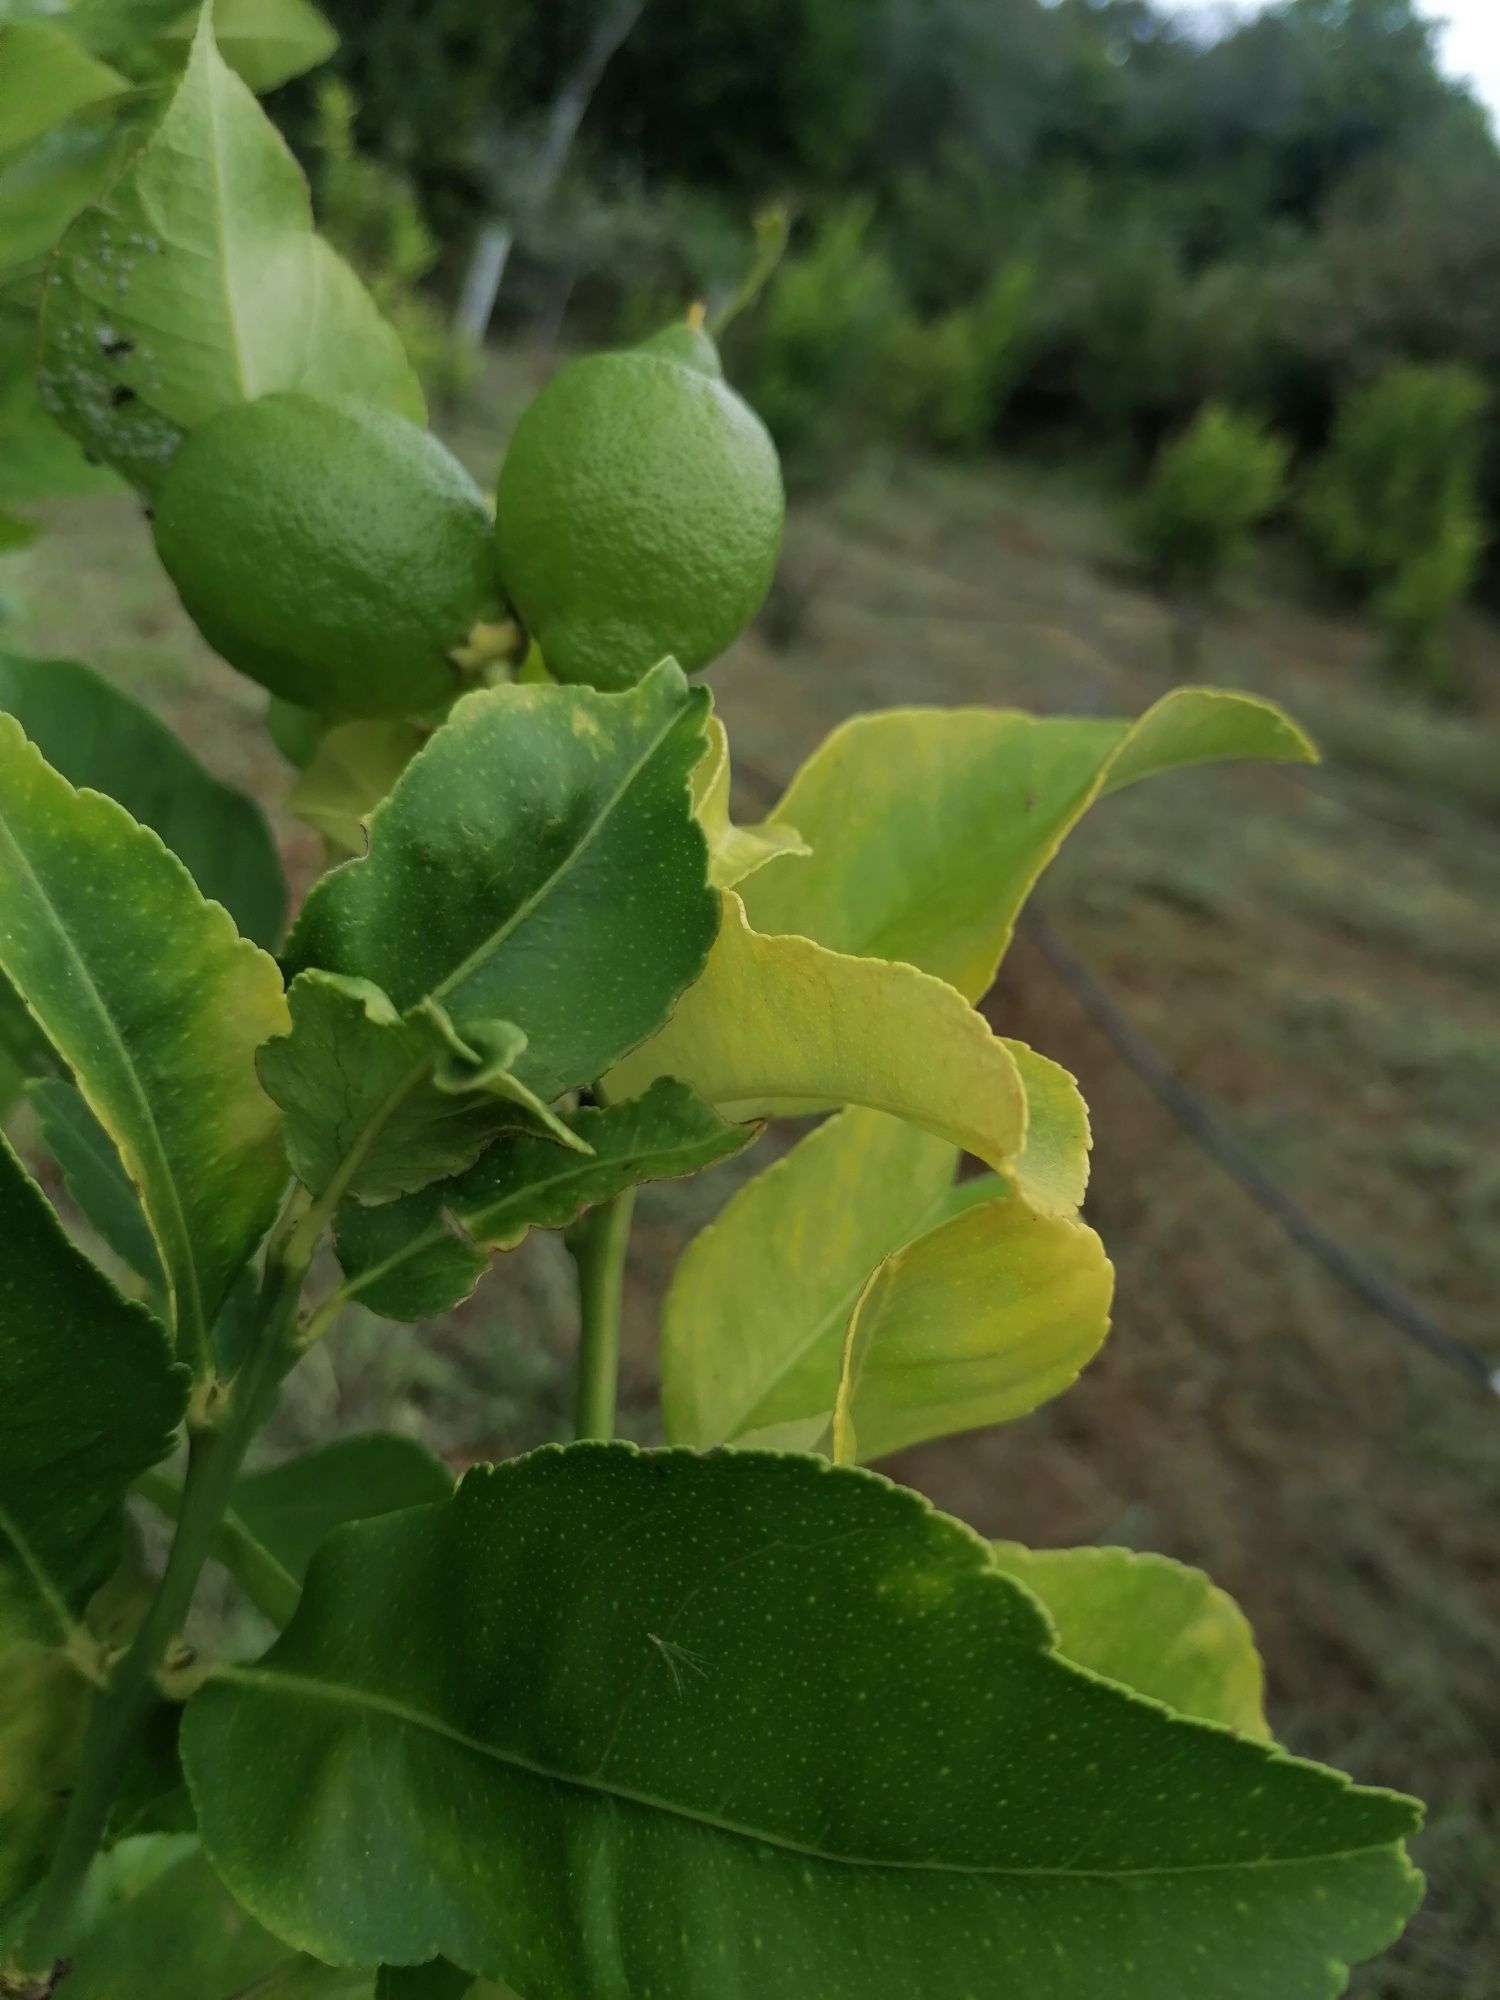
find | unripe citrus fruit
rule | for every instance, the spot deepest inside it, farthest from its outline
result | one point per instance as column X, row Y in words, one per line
column 334, row 552
column 639, row 512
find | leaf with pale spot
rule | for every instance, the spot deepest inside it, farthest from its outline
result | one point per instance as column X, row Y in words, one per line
column 767, row 1726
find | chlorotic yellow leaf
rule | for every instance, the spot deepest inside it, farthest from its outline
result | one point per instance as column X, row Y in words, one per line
column 929, row 827
column 735, row 852
column 977, row 1322
column 1151, row 1624
column 780, row 1025
column 1052, row 1173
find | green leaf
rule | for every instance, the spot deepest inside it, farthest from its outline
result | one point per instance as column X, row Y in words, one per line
column 765, row 1727
column 148, row 995
column 197, row 283
column 45, row 79
column 978, row 1322
column 1009, row 1303
column 159, row 1922
column 929, row 827
column 779, row 1025
column 291, row 1508
column 89, row 1399
column 95, row 1179
column 47, row 186
column 414, row 1258
column 378, row 1103
column 37, row 458
column 1154, row 1625
column 100, row 738
column 436, row 1980
column 353, row 767
column 1052, row 1171
column 267, row 42
column 539, row 863
column 42, row 1721
column 734, row 851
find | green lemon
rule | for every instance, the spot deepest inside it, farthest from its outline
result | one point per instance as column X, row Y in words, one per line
column 639, row 512
column 335, row 553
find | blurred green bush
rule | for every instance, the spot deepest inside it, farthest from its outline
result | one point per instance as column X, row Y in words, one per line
column 1392, row 507
column 1208, row 492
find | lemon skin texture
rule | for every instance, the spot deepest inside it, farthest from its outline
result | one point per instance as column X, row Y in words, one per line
column 639, row 513
column 333, row 552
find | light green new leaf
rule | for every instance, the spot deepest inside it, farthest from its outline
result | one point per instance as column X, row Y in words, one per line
column 95, row 1179
column 929, row 827
column 197, row 283
column 267, row 42
column 1052, row 1172
column 99, row 737
column 779, row 1025
column 977, row 1322
column 292, row 1507
column 378, row 1103
column 754, row 1320
column 767, row 1727
column 157, row 1921
column 538, row 862
column 757, row 1320
column 147, row 994
column 89, row 1398
column 734, row 851
column 1154, row 1625
column 353, row 767
column 45, row 79
column 413, row 1258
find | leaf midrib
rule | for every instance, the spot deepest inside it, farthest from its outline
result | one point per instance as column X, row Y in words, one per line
column 365, row 1703
column 177, row 1261
column 607, row 808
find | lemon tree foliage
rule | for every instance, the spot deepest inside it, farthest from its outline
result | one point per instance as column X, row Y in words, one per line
column 731, row 1716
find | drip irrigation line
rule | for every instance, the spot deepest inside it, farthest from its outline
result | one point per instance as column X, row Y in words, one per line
column 1230, row 1153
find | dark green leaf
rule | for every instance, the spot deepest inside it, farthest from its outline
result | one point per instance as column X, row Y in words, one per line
column 158, row 1923
column 43, row 190
column 97, row 736
column 615, row 1722
column 147, row 994
column 95, row 1179
column 89, row 1398
column 437, row 1980
column 538, row 862
column 291, row 1508
column 417, row 1257
column 378, row 1104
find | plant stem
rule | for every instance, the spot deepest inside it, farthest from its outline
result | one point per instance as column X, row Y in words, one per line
column 598, row 1246
column 215, row 1454
column 268, row 1584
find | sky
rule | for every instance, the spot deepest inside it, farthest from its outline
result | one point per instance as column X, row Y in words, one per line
column 1470, row 40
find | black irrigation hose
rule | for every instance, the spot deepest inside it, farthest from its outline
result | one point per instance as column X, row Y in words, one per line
column 1216, row 1139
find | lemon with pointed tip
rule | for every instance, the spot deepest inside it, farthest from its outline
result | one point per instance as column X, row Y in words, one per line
column 334, row 552
column 639, row 512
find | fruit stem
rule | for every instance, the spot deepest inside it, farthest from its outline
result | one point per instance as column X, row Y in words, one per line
column 697, row 315
column 597, row 1246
